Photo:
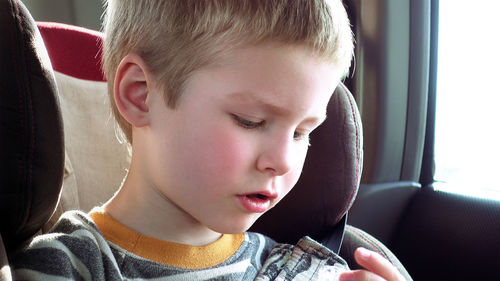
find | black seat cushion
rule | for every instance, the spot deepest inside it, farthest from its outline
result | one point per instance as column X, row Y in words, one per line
column 31, row 142
column 355, row 237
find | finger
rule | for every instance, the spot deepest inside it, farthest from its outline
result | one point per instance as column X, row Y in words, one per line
column 360, row 275
column 377, row 264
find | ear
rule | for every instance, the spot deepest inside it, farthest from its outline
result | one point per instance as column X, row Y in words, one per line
column 131, row 89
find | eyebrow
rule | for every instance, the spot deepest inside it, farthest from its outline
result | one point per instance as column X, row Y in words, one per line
column 278, row 110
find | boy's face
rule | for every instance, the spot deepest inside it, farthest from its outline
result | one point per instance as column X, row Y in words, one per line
column 236, row 142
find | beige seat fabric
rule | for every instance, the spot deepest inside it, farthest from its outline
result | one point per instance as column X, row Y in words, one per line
column 96, row 162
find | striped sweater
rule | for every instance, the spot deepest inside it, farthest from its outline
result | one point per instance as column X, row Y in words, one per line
column 77, row 249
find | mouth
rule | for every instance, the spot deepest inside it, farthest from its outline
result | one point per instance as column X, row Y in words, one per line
column 257, row 202
column 258, row 196
column 263, row 195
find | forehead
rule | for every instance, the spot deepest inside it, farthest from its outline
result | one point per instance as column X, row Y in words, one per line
column 271, row 74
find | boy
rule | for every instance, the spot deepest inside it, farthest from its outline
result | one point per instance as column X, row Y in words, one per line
column 216, row 99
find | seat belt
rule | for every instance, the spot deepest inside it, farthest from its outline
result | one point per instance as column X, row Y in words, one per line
column 333, row 240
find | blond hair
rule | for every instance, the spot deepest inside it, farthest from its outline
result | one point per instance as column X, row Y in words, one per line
column 177, row 37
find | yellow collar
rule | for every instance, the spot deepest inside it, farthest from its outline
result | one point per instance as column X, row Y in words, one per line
column 164, row 252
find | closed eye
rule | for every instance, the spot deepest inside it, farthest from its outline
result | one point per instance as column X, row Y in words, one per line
column 247, row 124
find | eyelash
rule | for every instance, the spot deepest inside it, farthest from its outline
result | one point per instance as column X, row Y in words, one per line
column 301, row 136
column 247, row 124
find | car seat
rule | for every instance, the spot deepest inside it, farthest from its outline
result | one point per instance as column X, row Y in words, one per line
column 42, row 164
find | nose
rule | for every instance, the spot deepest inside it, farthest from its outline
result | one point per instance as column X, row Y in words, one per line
column 277, row 156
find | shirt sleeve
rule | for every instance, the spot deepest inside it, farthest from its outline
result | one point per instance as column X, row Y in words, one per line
column 74, row 250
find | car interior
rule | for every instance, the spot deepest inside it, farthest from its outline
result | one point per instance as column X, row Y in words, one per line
column 368, row 179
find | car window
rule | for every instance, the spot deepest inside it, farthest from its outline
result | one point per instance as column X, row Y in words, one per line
column 467, row 150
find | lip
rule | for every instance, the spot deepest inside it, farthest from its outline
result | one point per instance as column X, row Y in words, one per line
column 257, row 202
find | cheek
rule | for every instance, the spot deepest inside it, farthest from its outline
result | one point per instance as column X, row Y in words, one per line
column 225, row 154
column 293, row 176
column 290, row 180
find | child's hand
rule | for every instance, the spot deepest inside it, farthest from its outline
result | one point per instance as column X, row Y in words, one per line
column 376, row 268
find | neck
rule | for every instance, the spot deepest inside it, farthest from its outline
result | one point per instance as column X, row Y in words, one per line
column 146, row 210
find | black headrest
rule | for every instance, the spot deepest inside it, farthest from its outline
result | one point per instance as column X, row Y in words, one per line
column 329, row 181
column 31, row 133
